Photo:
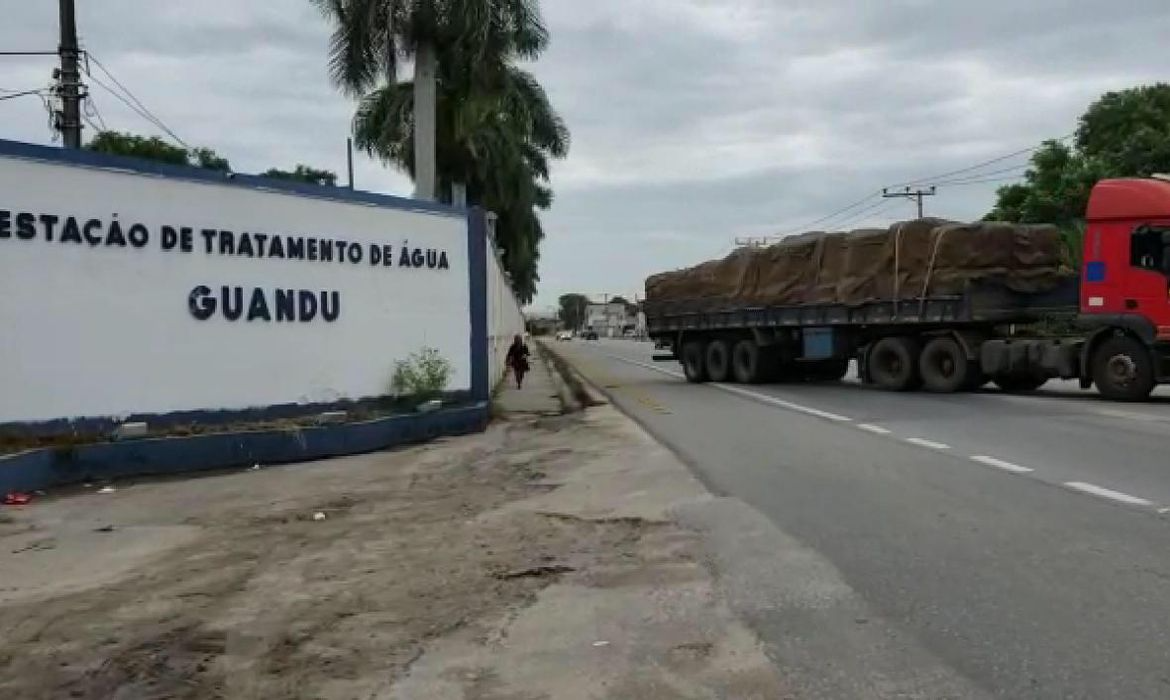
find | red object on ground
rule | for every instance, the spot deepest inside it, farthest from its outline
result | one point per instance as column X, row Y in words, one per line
column 16, row 498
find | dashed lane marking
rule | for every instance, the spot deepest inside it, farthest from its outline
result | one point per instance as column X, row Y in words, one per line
column 923, row 442
column 755, row 396
column 1107, row 493
column 1004, row 465
column 1001, row 464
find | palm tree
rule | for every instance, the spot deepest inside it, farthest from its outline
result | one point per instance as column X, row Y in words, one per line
column 496, row 134
column 370, row 36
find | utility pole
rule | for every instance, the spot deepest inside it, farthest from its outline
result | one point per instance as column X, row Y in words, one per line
column 908, row 193
column 349, row 159
column 69, row 121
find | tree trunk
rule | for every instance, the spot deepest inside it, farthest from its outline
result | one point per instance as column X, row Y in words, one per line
column 424, row 121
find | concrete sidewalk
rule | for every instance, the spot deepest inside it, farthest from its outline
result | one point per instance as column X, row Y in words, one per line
column 541, row 395
column 538, row 560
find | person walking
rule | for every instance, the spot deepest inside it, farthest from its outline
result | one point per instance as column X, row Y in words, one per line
column 517, row 360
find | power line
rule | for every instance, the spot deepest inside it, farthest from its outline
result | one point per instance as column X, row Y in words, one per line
column 139, row 112
column 879, row 207
column 977, row 166
column 24, row 93
column 90, row 110
column 1015, row 168
column 141, row 109
column 981, row 181
column 835, row 214
column 28, row 53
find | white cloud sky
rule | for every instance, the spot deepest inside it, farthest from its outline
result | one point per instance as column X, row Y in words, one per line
column 694, row 121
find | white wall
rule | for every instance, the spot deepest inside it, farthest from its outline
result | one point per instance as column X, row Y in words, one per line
column 505, row 319
column 105, row 330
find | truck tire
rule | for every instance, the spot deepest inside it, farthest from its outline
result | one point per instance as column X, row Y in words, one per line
column 694, row 361
column 944, row 366
column 747, row 362
column 1123, row 369
column 718, row 360
column 1020, row 382
column 893, row 364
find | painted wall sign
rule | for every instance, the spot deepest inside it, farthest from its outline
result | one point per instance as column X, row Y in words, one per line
column 131, row 292
column 280, row 304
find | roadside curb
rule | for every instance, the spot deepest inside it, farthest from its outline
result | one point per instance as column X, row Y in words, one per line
column 584, row 393
column 54, row 467
column 570, row 403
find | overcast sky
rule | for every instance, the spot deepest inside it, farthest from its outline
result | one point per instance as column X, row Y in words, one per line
column 694, row 121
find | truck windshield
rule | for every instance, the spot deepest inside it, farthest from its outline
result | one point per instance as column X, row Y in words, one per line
column 1150, row 249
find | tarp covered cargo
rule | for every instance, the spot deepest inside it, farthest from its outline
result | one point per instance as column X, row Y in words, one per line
column 911, row 259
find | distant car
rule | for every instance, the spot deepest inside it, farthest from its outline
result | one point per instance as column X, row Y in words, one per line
column 565, row 335
column 590, row 335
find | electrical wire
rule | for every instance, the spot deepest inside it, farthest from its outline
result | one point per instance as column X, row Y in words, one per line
column 1015, row 168
column 139, row 112
column 977, row 166
column 809, row 226
column 23, row 93
column 981, row 181
column 133, row 102
column 91, row 112
column 869, row 212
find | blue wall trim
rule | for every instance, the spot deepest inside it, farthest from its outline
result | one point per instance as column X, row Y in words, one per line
column 18, row 149
column 101, row 427
column 42, row 469
column 477, row 269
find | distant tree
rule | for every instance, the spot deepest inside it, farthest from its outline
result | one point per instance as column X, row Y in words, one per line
column 209, row 160
column 631, row 308
column 1122, row 134
column 150, row 148
column 154, row 148
column 572, row 310
column 304, row 173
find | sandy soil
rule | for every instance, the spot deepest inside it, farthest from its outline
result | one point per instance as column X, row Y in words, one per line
column 227, row 586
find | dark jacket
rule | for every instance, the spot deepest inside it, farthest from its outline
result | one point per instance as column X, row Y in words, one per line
column 518, row 357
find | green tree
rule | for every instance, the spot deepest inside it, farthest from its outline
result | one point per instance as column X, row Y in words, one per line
column 304, row 173
column 149, row 148
column 154, row 148
column 370, row 36
column 495, row 128
column 1122, row 134
column 572, row 310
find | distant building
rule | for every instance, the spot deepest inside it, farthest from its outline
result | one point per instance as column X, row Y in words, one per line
column 608, row 320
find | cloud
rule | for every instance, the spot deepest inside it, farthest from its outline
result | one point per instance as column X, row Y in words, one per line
column 694, row 121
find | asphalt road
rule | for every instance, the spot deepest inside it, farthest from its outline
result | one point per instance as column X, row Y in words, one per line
column 1019, row 541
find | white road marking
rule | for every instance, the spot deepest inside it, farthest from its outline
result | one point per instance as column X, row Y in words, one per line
column 873, row 428
column 1001, row 464
column 754, row 395
column 1107, row 493
column 928, row 443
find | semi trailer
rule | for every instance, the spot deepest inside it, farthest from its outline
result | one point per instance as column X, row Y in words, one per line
column 1107, row 324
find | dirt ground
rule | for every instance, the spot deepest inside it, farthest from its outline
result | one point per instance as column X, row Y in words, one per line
column 239, row 592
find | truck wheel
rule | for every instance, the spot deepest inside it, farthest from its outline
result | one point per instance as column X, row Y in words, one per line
column 944, row 366
column 1020, row 383
column 893, row 364
column 1123, row 370
column 747, row 362
column 694, row 361
column 718, row 360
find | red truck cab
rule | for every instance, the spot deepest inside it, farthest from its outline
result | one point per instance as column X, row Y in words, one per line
column 1125, row 279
